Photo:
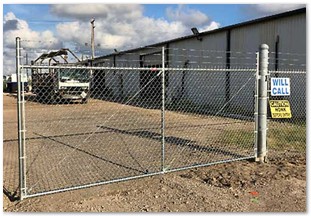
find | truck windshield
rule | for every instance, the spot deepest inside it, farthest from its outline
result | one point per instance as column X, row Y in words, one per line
column 80, row 75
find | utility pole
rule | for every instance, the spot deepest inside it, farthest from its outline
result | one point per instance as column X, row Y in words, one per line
column 92, row 38
column 27, row 64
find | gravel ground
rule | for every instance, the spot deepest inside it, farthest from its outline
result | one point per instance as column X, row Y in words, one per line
column 242, row 186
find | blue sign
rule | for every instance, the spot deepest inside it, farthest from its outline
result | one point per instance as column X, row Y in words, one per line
column 280, row 86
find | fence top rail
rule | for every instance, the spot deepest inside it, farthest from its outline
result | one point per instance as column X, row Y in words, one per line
column 140, row 68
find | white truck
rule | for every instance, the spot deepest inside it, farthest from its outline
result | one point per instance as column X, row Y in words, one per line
column 53, row 85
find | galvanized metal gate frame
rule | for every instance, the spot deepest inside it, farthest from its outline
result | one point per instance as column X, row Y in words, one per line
column 260, row 117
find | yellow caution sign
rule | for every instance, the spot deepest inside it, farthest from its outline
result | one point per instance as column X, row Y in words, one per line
column 280, row 109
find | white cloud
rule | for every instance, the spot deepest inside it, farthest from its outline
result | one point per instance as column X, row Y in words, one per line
column 156, row 30
column 124, row 26
column 107, row 11
column 121, row 35
column 269, row 9
column 73, row 31
column 8, row 61
column 191, row 18
column 117, row 30
column 187, row 16
column 213, row 25
column 33, row 42
column 14, row 27
column 117, row 27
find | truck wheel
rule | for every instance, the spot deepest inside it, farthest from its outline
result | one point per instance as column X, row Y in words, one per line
column 52, row 98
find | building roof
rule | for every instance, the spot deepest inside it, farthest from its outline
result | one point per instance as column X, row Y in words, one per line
column 226, row 28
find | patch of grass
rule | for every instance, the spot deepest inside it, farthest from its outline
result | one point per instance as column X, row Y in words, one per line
column 240, row 138
column 187, row 106
column 281, row 137
column 285, row 136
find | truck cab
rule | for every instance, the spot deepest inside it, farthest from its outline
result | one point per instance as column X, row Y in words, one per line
column 66, row 83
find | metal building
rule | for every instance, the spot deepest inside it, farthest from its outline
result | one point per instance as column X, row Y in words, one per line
column 285, row 33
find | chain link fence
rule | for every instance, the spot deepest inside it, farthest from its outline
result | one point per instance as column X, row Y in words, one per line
column 132, row 115
column 287, row 137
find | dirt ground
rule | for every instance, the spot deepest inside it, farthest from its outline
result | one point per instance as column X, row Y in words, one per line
column 240, row 186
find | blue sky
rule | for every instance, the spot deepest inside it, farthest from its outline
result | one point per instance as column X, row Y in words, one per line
column 49, row 27
column 233, row 12
column 39, row 16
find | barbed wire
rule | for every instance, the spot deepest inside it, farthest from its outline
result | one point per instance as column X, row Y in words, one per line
column 288, row 71
column 288, row 53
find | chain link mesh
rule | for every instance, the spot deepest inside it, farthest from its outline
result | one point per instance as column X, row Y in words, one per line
column 288, row 136
column 203, row 123
column 74, row 142
column 94, row 124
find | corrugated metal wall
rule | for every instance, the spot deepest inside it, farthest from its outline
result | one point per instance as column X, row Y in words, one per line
column 292, row 39
column 210, row 88
column 200, row 88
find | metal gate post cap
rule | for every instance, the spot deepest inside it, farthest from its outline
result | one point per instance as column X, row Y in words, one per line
column 264, row 46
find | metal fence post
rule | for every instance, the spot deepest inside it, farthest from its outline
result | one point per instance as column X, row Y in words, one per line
column 262, row 98
column 163, row 111
column 256, row 105
column 20, row 119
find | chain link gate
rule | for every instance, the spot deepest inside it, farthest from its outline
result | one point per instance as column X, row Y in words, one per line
column 287, row 136
column 127, row 122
